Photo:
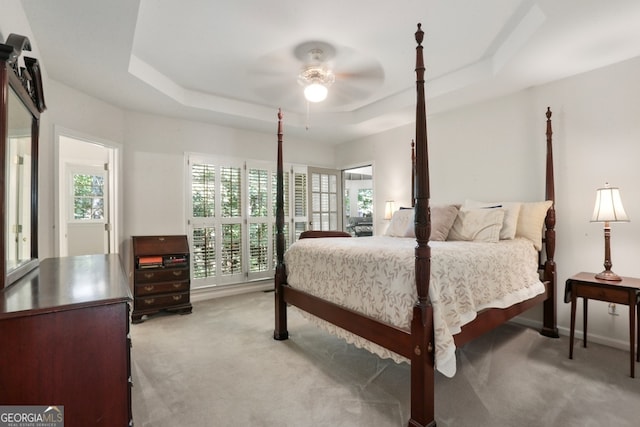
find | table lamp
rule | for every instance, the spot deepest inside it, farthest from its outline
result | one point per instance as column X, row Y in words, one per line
column 389, row 207
column 608, row 209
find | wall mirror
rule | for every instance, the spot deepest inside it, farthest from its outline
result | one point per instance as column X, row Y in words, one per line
column 21, row 103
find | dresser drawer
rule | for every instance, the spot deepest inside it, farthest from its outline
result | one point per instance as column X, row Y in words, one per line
column 161, row 288
column 161, row 301
column 161, row 275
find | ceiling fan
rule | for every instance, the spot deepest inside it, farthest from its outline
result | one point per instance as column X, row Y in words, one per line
column 339, row 76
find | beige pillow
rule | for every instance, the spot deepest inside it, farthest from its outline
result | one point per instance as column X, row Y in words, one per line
column 401, row 221
column 442, row 219
column 531, row 221
column 510, row 221
column 478, row 225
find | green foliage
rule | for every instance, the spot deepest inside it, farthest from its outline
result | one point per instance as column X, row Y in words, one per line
column 365, row 202
column 88, row 197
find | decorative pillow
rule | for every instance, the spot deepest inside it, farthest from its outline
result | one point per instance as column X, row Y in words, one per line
column 531, row 221
column 510, row 221
column 478, row 225
column 442, row 219
column 401, row 221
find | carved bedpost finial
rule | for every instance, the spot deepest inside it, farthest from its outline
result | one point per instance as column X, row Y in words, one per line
column 548, row 113
column 419, row 34
column 279, row 128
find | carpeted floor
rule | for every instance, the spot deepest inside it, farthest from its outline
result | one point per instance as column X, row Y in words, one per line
column 220, row 367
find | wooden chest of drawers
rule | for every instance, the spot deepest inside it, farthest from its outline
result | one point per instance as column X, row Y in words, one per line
column 162, row 276
column 64, row 340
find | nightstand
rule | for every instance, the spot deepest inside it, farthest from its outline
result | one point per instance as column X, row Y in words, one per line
column 625, row 291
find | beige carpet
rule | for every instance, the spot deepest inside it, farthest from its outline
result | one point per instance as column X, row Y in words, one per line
column 220, row 367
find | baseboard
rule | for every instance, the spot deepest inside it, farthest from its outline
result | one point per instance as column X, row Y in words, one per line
column 593, row 338
column 210, row 292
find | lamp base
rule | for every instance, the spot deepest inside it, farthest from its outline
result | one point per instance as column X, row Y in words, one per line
column 608, row 275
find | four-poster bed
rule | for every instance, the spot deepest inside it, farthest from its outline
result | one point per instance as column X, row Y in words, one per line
column 418, row 339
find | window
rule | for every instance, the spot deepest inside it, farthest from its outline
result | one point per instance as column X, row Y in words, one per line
column 88, row 196
column 232, row 218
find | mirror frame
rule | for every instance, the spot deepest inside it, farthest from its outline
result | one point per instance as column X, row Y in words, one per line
column 26, row 82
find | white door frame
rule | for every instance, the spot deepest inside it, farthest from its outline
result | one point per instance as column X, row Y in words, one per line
column 114, row 151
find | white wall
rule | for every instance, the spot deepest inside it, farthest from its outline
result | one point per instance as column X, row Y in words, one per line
column 495, row 150
column 154, row 163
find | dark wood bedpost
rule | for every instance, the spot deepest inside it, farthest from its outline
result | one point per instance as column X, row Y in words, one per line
column 549, row 324
column 422, row 333
column 413, row 173
column 280, row 332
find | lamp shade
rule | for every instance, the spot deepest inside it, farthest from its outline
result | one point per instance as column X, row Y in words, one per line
column 389, row 207
column 608, row 206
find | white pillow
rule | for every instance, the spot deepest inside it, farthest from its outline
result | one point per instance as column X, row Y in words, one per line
column 401, row 224
column 531, row 221
column 478, row 225
column 510, row 221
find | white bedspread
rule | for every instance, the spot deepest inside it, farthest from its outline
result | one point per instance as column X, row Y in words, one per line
column 375, row 276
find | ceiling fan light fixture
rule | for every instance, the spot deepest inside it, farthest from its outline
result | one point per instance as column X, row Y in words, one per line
column 316, row 81
column 315, row 92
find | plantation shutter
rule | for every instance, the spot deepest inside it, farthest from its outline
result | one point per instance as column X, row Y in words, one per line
column 232, row 218
column 259, row 221
column 203, row 251
column 325, row 200
column 231, row 223
column 300, row 212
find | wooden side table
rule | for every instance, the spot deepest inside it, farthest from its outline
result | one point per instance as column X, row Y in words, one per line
column 625, row 291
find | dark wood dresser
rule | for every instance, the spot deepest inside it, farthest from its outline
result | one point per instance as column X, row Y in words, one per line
column 64, row 340
column 162, row 275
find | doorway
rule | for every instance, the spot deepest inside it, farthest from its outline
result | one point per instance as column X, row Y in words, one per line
column 358, row 200
column 86, row 176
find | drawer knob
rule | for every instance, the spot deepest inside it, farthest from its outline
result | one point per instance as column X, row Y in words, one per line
column 177, row 273
column 149, row 301
column 177, row 285
column 148, row 275
column 177, row 297
column 149, row 288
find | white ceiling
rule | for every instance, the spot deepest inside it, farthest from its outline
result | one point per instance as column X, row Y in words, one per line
column 233, row 62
